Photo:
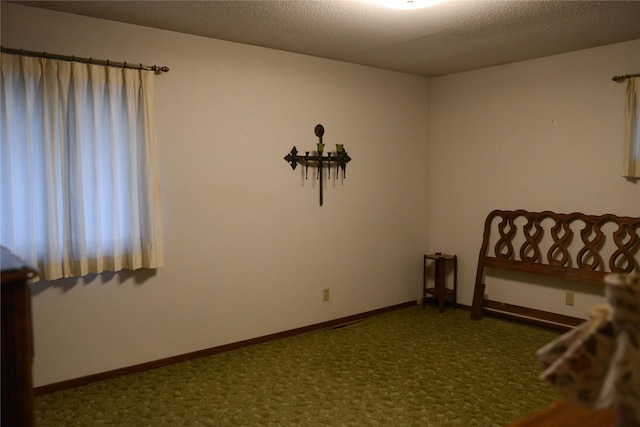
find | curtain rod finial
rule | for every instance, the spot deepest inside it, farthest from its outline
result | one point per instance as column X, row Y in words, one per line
column 625, row 77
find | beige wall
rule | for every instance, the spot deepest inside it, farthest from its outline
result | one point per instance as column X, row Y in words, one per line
column 540, row 135
column 248, row 249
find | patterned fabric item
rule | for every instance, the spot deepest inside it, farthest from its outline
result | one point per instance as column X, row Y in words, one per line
column 597, row 364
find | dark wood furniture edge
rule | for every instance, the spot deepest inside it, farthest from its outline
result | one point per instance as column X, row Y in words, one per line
column 526, row 315
column 17, row 343
column 18, row 274
column 89, row 379
column 563, row 413
column 551, row 320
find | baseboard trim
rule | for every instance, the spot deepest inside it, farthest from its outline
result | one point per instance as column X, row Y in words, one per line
column 77, row 382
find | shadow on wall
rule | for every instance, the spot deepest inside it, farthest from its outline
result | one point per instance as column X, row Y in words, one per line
column 138, row 277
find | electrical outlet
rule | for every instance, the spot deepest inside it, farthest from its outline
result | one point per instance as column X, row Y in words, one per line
column 568, row 300
column 325, row 294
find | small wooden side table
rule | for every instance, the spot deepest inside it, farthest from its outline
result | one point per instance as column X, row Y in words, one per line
column 440, row 291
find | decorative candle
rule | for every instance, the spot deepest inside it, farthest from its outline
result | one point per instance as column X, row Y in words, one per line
column 339, row 148
column 320, row 147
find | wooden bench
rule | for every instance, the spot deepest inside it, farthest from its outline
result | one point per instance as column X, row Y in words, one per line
column 575, row 247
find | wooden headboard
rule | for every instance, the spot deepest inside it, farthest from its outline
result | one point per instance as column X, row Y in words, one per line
column 545, row 243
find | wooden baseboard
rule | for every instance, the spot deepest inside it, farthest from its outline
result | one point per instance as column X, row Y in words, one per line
column 77, row 382
column 530, row 315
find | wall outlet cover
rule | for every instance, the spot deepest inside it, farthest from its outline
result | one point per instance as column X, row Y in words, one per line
column 569, row 297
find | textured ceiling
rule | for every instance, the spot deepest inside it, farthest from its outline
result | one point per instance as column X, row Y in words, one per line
column 449, row 37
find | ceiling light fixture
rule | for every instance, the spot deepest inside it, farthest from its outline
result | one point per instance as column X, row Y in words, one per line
column 406, row 4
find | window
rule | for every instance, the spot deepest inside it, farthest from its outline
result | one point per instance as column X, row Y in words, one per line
column 78, row 169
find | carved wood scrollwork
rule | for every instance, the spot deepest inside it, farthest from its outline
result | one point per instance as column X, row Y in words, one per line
column 506, row 237
column 561, row 242
column 624, row 250
column 531, row 241
column 614, row 238
column 592, row 237
column 623, row 242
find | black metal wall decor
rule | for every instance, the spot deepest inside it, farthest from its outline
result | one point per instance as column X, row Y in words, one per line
column 340, row 159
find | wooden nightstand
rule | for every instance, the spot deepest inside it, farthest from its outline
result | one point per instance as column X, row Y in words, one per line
column 439, row 290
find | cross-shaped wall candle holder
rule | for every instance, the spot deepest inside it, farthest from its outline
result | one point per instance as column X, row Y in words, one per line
column 340, row 159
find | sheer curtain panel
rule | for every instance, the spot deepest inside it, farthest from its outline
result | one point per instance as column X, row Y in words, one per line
column 78, row 168
column 632, row 129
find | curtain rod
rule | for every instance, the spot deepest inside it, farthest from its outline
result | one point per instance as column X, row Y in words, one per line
column 620, row 79
column 157, row 69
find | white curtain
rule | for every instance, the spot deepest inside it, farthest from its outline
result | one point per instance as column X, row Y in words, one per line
column 78, row 168
column 632, row 129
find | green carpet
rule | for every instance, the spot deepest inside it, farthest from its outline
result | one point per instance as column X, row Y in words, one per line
column 409, row 367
